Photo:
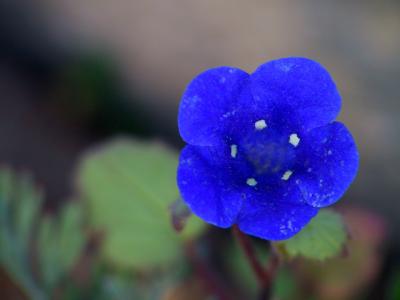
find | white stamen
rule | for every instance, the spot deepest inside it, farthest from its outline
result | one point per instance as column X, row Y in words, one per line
column 287, row 175
column 294, row 139
column 233, row 150
column 260, row 125
column 251, row 182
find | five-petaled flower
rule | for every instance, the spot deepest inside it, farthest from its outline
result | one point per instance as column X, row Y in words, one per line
column 264, row 151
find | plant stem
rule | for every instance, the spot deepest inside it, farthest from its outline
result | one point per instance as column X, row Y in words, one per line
column 265, row 276
column 249, row 251
column 271, row 270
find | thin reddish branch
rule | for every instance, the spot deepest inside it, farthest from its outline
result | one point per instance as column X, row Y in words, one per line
column 271, row 270
column 248, row 249
column 265, row 276
column 273, row 264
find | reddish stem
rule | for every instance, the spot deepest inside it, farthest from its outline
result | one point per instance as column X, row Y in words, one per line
column 265, row 276
column 249, row 251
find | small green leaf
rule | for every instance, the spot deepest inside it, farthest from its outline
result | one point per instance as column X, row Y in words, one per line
column 20, row 204
column 322, row 238
column 60, row 242
column 28, row 200
column 129, row 186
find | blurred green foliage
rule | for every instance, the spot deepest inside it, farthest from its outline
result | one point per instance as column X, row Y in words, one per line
column 20, row 204
column 284, row 287
column 24, row 232
column 127, row 209
column 394, row 288
column 128, row 187
column 322, row 238
column 59, row 244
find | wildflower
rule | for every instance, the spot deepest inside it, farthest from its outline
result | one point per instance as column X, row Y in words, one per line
column 264, row 151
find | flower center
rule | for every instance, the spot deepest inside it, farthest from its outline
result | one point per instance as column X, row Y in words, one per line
column 269, row 153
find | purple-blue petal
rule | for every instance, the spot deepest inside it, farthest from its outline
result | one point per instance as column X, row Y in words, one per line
column 330, row 164
column 275, row 215
column 297, row 92
column 298, row 101
column 207, row 186
column 209, row 103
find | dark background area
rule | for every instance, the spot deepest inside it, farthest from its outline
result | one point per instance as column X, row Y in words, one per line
column 73, row 73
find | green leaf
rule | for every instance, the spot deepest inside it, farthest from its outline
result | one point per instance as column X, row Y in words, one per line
column 29, row 201
column 20, row 204
column 322, row 238
column 60, row 243
column 129, row 186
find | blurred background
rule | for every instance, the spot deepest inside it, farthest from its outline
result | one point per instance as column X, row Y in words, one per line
column 75, row 73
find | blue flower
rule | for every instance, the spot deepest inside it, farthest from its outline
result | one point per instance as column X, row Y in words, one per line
column 264, row 151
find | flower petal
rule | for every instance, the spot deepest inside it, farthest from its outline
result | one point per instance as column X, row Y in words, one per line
column 206, row 186
column 296, row 91
column 277, row 215
column 331, row 164
column 208, row 104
